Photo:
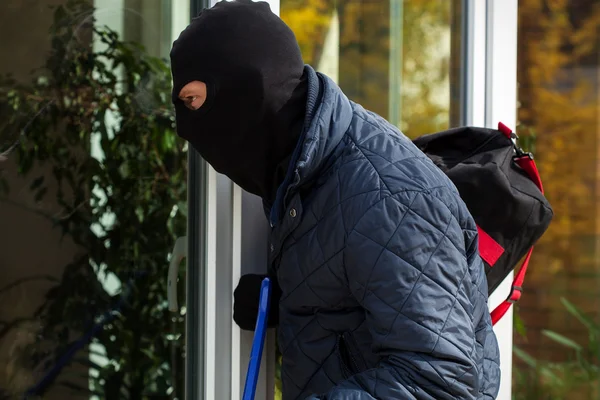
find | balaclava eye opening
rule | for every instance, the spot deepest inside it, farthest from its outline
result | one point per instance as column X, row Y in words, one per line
column 252, row 118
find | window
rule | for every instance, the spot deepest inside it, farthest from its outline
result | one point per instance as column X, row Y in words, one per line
column 400, row 59
column 559, row 119
column 92, row 198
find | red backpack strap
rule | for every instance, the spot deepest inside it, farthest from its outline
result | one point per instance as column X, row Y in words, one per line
column 515, row 292
column 489, row 250
column 525, row 161
column 528, row 165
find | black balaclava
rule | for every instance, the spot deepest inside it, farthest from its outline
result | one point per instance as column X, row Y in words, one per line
column 252, row 118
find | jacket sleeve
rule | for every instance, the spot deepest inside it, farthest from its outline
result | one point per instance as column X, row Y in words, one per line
column 406, row 265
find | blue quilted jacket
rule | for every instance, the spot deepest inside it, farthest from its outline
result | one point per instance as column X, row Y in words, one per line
column 384, row 293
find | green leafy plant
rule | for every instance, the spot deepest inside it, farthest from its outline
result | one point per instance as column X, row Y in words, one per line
column 545, row 380
column 97, row 121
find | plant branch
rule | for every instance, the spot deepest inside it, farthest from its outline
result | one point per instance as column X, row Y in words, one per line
column 4, row 155
column 56, row 217
column 26, row 208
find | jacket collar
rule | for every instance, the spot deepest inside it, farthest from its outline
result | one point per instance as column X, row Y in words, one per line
column 328, row 116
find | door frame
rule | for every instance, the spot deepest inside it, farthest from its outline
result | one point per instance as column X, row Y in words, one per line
column 500, row 95
column 227, row 237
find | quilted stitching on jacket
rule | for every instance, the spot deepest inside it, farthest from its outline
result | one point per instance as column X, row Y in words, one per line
column 384, row 293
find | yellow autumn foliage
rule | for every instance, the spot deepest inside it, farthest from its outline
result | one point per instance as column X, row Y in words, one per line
column 559, row 107
column 365, row 52
column 559, row 104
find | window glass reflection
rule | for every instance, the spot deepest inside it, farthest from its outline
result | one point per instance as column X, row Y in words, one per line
column 400, row 59
column 92, row 197
column 556, row 339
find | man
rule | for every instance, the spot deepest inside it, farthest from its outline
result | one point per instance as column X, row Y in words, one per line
column 382, row 291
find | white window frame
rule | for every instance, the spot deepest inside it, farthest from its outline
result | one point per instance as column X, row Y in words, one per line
column 227, row 237
column 491, row 72
column 501, row 105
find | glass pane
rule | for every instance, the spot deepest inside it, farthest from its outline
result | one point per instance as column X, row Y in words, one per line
column 400, row 59
column 92, row 198
column 559, row 119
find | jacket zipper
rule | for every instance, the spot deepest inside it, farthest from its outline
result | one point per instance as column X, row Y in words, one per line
column 341, row 353
column 349, row 347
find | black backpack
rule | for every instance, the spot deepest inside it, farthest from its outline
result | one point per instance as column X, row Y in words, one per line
column 502, row 189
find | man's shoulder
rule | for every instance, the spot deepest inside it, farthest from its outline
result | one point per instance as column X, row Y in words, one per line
column 377, row 161
column 379, row 152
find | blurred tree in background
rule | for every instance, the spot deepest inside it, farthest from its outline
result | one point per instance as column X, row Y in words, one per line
column 365, row 53
column 559, row 112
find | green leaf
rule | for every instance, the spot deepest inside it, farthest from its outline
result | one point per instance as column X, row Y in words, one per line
column 519, row 326
column 542, row 369
column 548, row 373
column 585, row 320
column 526, row 358
column 563, row 340
column 149, row 353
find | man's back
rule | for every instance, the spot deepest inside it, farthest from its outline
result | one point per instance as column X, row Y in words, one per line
column 384, row 293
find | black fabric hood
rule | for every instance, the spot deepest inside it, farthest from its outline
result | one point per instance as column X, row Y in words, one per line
column 252, row 118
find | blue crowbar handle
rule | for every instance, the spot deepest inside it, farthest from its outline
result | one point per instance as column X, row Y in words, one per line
column 258, row 342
